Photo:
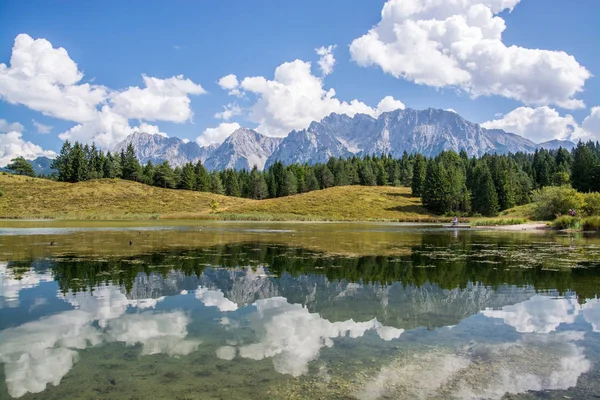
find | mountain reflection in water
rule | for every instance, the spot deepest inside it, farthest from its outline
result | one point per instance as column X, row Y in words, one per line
column 436, row 323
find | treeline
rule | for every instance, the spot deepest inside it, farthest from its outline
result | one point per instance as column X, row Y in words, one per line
column 77, row 163
column 453, row 183
column 449, row 183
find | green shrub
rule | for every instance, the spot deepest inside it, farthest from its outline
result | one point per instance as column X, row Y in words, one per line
column 591, row 224
column 553, row 201
column 591, row 204
column 566, row 222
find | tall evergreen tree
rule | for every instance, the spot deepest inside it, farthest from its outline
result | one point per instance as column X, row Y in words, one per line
column 290, row 185
column 418, row 176
column 216, row 185
column 202, row 178
column 164, row 176
column 63, row 163
column 131, row 169
column 484, row 197
column 188, row 177
column 258, row 185
column 583, row 168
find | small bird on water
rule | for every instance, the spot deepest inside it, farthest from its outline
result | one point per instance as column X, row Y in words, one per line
column 52, row 243
column 130, row 242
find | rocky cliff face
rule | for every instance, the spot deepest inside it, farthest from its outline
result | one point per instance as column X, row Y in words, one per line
column 428, row 132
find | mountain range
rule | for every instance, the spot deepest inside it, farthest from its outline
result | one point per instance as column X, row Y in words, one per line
column 427, row 132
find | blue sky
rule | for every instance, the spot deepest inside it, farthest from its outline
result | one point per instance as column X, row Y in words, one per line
column 542, row 87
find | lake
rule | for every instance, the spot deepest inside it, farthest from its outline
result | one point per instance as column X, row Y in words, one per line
column 215, row 310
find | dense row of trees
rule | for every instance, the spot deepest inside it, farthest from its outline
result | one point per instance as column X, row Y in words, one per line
column 454, row 183
column 77, row 163
column 449, row 183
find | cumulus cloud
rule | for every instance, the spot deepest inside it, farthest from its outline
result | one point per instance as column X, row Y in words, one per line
column 12, row 146
column 46, row 79
column 229, row 111
column 160, row 100
column 295, row 97
column 42, row 352
column 293, row 337
column 41, row 128
column 540, row 314
column 459, row 44
column 11, row 284
column 482, row 370
column 327, row 60
column 544, row 123
column 6, row 126
column 592, row 123
column 231, row 83
column 215, row 298
column 388, row 103
column 218, row 134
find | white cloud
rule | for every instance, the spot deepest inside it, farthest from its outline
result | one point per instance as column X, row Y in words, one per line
column 231, row 83
column 327, row 61
column 592, row 123
column 293, row 337
column 229, row 111
column 41, row 128
column 540, row 314
column 6, row 126
column 455, row 43
column 160, row 100
column 542, row 124
column 218, row 134
column 228, row 82
column 388, row 103
column 47, row 80
column 295, row 98
column 12, row 146
column 215, row 298
column 11, row 284
column 482, row 370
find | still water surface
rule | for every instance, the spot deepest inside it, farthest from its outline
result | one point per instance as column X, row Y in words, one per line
column 280, row 311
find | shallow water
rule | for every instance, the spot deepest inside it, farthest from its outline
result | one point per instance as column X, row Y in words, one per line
column 306, row 311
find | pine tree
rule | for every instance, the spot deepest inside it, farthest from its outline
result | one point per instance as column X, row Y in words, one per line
column 131, row 169
column 418, row 176
column 583, row 168
column 202, row 178
column 290, row 185
column 433, row 192
column 148, row 173
column 164, row 176
column 311, row 181
column 188, row 177
column 78, row 164
column 20, row 166
column 258, row 185
column 216, row 185
column 367, row 177
column 484, row 197
column 230, row 181
column 63, row 163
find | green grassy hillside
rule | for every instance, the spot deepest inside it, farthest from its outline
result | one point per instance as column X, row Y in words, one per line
column 25, row 197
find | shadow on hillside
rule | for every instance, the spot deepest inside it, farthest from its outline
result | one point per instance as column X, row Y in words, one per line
column 409, row 209
column 406, row 195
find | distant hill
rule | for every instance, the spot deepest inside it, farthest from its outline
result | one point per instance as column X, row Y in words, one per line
column 428, row 132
